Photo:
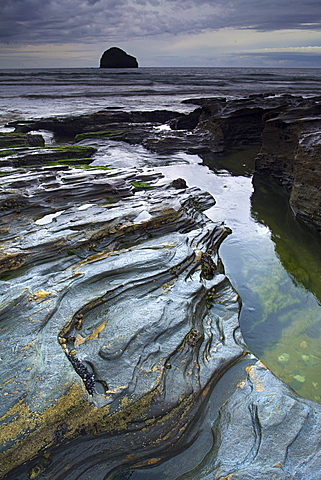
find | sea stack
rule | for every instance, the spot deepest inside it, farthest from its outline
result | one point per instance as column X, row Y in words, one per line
column 115, row 57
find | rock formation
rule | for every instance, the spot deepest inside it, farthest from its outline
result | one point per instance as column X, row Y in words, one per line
column 263, row 431
column 123, row 319
column 287, row 128
column 12, row 139
column 291, row 154
column 115, row 57
column 118, row 324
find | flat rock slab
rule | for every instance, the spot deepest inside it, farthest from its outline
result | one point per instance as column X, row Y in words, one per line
column 264, row 431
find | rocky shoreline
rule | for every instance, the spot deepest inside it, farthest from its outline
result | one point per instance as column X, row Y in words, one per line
column 117, row 319
column 287, row 128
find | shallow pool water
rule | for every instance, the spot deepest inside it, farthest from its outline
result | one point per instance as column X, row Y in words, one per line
column 274, row 263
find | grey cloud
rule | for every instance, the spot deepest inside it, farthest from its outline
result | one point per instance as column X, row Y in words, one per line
column 276, row 15
column 61, row 21
column 284, row 59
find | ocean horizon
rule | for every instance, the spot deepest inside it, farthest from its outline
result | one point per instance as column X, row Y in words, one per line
column 34, row 93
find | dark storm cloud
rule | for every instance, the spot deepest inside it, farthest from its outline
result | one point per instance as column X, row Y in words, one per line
column 72, row 21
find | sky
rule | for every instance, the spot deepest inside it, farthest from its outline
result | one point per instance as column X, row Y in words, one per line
column 229, row 33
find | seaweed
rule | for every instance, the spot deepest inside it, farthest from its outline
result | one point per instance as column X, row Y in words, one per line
column 87, row 377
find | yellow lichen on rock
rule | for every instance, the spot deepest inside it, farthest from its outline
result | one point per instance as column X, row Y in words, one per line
column 20, row 419
column 259, row 387
column 97, row 331
column 79, row 340
column 39, row 295
column 146, row 463
column 74, row 409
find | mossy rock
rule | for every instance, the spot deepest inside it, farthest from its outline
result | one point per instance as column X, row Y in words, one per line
column 92, row 167
column 100, row 134
column 140, row 185
column 72, row 162
column 20, row 140
column 7, row 152
column 75, row 151
column 48, row 156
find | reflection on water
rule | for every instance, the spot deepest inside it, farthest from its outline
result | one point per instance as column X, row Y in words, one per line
column 297, row 247
column 296, row 355
column 274, row 263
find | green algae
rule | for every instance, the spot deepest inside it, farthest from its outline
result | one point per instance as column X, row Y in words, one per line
column 74, row 162
column 77, row 149
column 93, row 167
column 10, row 151
column 34, row 156
column 140, row 185
column 14, row 139
column 99, row 134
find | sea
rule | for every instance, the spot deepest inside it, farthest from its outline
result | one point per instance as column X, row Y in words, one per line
column 30, row 93
column 273, row 261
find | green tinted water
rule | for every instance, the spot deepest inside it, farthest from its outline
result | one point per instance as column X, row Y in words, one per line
column 289, row 294
column 273, row 262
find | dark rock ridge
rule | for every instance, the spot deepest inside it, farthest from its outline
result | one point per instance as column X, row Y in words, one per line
column 111, row 122
column 115, row 57
column 288, row 128
column 24, row 140
column 291, row 153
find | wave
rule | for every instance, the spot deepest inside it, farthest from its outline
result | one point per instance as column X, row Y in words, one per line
column 47, row 92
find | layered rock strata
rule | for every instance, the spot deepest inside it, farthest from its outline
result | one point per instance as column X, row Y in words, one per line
column 291, row 153
column 263, row 431
column 8, row 140
column 116, row 317
column 118, row 324
column 287, row 127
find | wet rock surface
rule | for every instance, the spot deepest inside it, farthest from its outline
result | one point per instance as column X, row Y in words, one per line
column 33, row 157
column 118, row 324
column 291, row 154
column 287, row 127
column 263, row 431
column 8, row 140
column 120, row 328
